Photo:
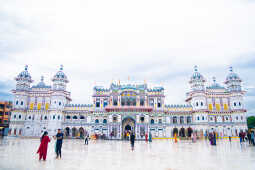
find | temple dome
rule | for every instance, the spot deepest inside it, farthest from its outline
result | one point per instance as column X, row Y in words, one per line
column 24, row 75
column 232, row 76
column 60, row 75
column 196, row 76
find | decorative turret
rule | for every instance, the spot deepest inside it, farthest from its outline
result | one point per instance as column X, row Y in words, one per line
column 197, row 81
column 59, row 80
column 233, row 81
column 23, row 80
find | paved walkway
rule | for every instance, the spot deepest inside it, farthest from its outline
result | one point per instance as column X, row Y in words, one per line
column 20, row 154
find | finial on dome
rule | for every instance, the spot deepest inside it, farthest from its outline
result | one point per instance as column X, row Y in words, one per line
column 42, row 78
column 231, row 69
column 61, row 67
column 195, row 68
column 26, row 66
column 214, row 79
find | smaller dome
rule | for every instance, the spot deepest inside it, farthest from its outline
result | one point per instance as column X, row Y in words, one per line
column 215, row 85
column 197, row 76
column 41, row 84
column 60, row 75
column 232, row 76
column 24, row 75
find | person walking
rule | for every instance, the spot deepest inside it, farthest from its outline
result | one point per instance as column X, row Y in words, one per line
column 42, row 150
column 249, row 137
column 132, row 140
column 214, row 138
column 146, row 137
column 87, row 139
column 150, row 137
column 59, row 142
column 252, row 138
column 241, row 138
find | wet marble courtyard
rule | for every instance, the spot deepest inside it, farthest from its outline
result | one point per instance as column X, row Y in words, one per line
column 20, row 154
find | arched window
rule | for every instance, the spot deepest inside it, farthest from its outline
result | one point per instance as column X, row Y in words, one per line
column 174, row 120
column 59, row 103
column 75, row 117
column 181, row 120
column 152, row 121
column 239, row 103
column 202, row 103
column 115, row 103
column 54, row 117
column 234, row 103
column 21, row 103
column 14, row 116
column 45, row 118
column 142, row 119
column 196, row 103
column 29, row 117
column 160, row 121
column 236, row 117
column 226, row 118
column 104, row 121
column 68, row 117
column 96, row 121
column 141, row 102
column 19, row 116
column 105, row 103
column 114, row 119
column 203, row 118
column 58, row 117
column 188, row 119
column 198, row 118
column 159, row 103
column 82, row 117
column 97, row 103
column 17, row 102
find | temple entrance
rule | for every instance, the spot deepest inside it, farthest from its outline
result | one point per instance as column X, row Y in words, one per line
column 128, row 126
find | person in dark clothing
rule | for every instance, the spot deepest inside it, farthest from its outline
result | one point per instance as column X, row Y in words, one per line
column 249, row 138
column 132, row 141
column 59, row 137
column 214, row 138
column 87, row 139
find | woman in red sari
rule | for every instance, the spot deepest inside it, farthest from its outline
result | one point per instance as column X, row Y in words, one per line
column 42, row 151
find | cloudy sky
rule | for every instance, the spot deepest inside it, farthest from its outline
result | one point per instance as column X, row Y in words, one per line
column 99, row 41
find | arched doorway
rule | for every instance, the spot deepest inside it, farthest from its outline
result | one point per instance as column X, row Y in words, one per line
column 67, row 131
column 81, row 130
column 74, row 132
column 182, row 132
column 175, row 131
column 128, row 126
column 190, row 131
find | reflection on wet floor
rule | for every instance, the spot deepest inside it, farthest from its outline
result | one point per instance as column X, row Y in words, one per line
column 19, row 154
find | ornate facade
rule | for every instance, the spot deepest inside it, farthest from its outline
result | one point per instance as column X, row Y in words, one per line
column 123, row 107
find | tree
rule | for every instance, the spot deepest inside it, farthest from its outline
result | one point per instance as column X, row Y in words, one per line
column 251, row 122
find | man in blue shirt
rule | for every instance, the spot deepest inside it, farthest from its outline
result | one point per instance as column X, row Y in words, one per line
column 59, row 137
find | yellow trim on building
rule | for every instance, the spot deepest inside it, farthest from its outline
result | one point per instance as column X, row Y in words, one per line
column 217, row 107
column 210, row 106
column 31, row 107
